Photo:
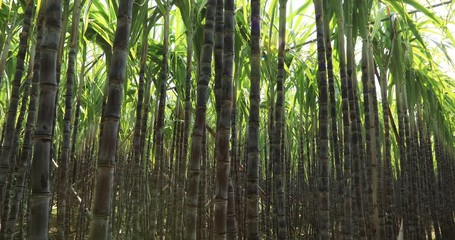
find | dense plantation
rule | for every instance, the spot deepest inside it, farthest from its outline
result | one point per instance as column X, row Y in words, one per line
column 224, row 119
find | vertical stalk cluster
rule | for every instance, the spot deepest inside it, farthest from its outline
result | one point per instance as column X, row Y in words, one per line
column 307, row 174
column 6, row 162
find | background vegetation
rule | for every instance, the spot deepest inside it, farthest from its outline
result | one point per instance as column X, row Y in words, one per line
column 218, row 119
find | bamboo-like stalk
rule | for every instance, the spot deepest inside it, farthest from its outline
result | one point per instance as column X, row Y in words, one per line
column 186, row 126
column 240, row 221
column 40, row 196
column 65, row 154
column 387, row 184
column 345, row 187
column 108, row 146
column 333, row 125
column 202, row 209
column 370, row 136
column 375, row 142
column 426, row 152
column 231, row 221
column 323, row 141
column 358, row 230
column 72, row 177
column 137, row 176
column 268, row 162
column 218, row 58
column 252, row 188
column 161, row 165
column 223, row 132
column 277, row 154
column 193, row 177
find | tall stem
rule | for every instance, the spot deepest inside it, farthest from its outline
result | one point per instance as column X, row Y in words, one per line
column 108, row 146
